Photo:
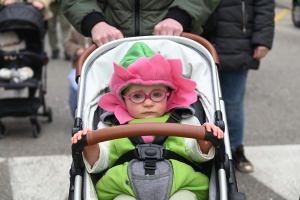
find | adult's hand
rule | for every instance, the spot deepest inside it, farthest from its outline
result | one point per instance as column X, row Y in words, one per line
column 38, row 5
column 79, row 51
column 260, row 52
column 168, row 27
column 8, row 2
column 103, row 33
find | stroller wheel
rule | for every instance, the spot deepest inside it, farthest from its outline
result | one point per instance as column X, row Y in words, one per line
column 36, row 130
column 3, row 131
column 36, row 127
column 49, row 114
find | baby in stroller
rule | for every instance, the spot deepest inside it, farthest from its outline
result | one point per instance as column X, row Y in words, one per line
column 145, row 88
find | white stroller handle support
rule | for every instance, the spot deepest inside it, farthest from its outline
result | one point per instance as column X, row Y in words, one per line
column 78, row 186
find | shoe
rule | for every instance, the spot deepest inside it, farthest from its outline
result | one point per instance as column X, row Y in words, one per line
column 55, row 54
column 241, row 163
column 67, row 57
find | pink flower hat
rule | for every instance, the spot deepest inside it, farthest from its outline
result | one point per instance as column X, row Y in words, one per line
column 141, row 65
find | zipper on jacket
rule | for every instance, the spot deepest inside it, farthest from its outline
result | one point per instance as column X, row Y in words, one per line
column 137, row 17
column 245, row 16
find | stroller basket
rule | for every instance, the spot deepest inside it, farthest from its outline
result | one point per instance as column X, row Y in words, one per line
column 24, row 106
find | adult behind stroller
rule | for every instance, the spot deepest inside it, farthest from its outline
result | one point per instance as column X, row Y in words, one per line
column 22, row 29
column 199, row 64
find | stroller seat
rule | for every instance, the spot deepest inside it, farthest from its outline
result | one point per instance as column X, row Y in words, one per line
column 94, row 70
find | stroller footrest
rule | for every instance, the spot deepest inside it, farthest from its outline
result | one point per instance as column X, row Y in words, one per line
column 31, row 83
column 19, row 106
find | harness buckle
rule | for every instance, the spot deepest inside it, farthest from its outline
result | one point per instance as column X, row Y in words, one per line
column 149, row 151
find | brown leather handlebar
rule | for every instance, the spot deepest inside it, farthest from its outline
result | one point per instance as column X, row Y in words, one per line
column 132, row 130
column 204, row 43
column 82, row 58
column 191, row 36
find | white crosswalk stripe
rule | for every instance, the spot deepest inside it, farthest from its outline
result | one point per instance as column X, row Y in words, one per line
column 277, row 167
column 39, row 177
column 47, row 177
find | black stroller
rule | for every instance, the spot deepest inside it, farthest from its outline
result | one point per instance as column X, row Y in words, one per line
column 24, row 26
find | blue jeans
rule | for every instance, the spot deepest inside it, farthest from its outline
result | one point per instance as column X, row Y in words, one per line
column 73, row 100
column 72, row 92
column 233, row 85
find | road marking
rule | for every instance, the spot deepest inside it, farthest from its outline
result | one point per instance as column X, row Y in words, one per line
column 281, row 14
column 277, row 167
column 47, row 177
column 40, row 177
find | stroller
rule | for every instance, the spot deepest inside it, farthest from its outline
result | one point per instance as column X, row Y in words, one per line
column 23, row 28
column 200, row 63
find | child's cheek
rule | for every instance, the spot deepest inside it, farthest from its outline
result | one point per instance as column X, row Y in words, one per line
column 133, row 110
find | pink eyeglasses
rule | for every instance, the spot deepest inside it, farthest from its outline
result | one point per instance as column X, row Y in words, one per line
column 139, row 96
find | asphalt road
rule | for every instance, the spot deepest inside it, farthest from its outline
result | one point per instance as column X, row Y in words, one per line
column 37, row 168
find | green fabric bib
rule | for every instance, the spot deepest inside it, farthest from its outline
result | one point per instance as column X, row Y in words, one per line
column 116, row 180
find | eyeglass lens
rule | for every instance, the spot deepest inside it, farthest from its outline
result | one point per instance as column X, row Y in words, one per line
column 155, row 95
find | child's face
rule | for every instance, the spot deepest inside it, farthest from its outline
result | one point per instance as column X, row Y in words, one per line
column 148, row 108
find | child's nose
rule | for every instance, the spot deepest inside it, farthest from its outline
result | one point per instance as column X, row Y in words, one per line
column 148, row 102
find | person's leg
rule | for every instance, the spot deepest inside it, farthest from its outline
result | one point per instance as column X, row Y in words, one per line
column 65, row 26
column 183, row 194
column 124, row 197
column 52, row 34
column 233, row 89
column 72, row 92
column 73, row 100
column 233, row 85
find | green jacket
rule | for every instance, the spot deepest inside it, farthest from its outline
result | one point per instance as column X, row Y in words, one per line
column 116, row 180
column 136, row 17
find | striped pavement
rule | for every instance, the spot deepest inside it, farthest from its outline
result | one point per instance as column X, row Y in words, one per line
column 46, row 177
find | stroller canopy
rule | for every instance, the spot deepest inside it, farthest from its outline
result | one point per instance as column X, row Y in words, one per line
column 21, row 16
column 98, row 68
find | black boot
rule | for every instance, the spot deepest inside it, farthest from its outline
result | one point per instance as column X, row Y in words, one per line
column 55, row 54
column 241, row 163
column 67, row 57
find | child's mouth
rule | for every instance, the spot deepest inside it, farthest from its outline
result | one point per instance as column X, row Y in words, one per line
column 148, row 113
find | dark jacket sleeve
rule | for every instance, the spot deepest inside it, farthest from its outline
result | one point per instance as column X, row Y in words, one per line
column 89, row 21
column 198, row 10
column 263, row 30
column 76, row 10
column 181, row 16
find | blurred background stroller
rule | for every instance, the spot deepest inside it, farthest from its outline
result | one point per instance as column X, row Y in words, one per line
column 200, row 63
column 23, row 64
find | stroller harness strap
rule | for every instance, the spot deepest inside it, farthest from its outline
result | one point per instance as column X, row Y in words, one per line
column 152, row 152
column 130, row 155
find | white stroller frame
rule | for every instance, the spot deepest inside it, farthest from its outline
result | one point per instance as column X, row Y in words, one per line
column 199, row 65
